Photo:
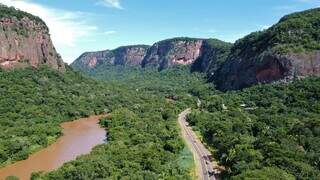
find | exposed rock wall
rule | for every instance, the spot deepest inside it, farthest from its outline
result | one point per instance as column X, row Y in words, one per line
column 130, row 55
column 171, row 52
column 239, row 73
column 91, row 60
column 287, row 50
column 25, row 42
column 126, row 55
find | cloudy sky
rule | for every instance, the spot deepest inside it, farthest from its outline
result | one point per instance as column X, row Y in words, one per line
column 77, row 26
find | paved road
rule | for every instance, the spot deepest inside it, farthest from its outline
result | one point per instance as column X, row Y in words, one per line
column 198, row 149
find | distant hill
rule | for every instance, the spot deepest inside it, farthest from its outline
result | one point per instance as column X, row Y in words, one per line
column 25, row 41
column 288, row 50
column 162, row 55
column 126, row 55
column 171, row 52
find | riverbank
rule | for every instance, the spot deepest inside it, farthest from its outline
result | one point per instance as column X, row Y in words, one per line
column 79, row 137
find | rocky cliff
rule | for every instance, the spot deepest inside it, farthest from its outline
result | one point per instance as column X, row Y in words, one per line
column 214, row 53
column 171, row 52
column 126, row 55
column 205, row 53
column 25, row 41
column 289, row 49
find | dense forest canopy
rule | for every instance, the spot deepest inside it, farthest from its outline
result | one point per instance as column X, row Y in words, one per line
column 144, row 140
column 295, row 33
column 141, row 119
column 269, row 131
column 215, row 53
column 34, row 99
column 264, row 129
column 254, row 132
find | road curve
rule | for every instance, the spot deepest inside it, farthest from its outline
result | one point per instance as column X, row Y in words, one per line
column 202, row 155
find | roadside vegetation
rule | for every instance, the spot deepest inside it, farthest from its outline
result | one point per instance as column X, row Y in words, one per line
column 264, row 129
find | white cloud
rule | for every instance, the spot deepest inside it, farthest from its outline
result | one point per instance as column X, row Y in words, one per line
column 66, row 27
column 111, row 3
column 109, row 32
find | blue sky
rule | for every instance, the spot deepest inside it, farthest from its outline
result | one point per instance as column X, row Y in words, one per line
column 77, row 26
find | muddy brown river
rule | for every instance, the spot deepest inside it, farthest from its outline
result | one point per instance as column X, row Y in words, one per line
column 79, row 137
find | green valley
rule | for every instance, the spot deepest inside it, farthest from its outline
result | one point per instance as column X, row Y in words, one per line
column 172, row 110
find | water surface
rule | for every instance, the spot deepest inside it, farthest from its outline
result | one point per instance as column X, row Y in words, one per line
column 79, row 137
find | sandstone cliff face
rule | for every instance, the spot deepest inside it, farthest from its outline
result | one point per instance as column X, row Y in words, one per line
column 91, row 60
column 26, row 42
column 130, row 55
column 126, row 55
column 241, row 73
column 171, row 52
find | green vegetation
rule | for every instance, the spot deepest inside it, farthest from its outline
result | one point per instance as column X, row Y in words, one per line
column 264, row 131
column 143, row 141
column 132, row 46
column 215, row 53
column 33, row 100
column 174, row 40
column 9, row 12
column 172, row 83
column 297, row 32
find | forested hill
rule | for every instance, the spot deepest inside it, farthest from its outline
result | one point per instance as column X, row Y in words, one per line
column 268, row 131
column 161, row 55
column 287, row 50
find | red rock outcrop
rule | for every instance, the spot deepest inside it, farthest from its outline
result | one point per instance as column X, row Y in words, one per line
column 126, row 55
column 237, row 74
column 290, row 49
column 26, row 42
column 171, row 52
